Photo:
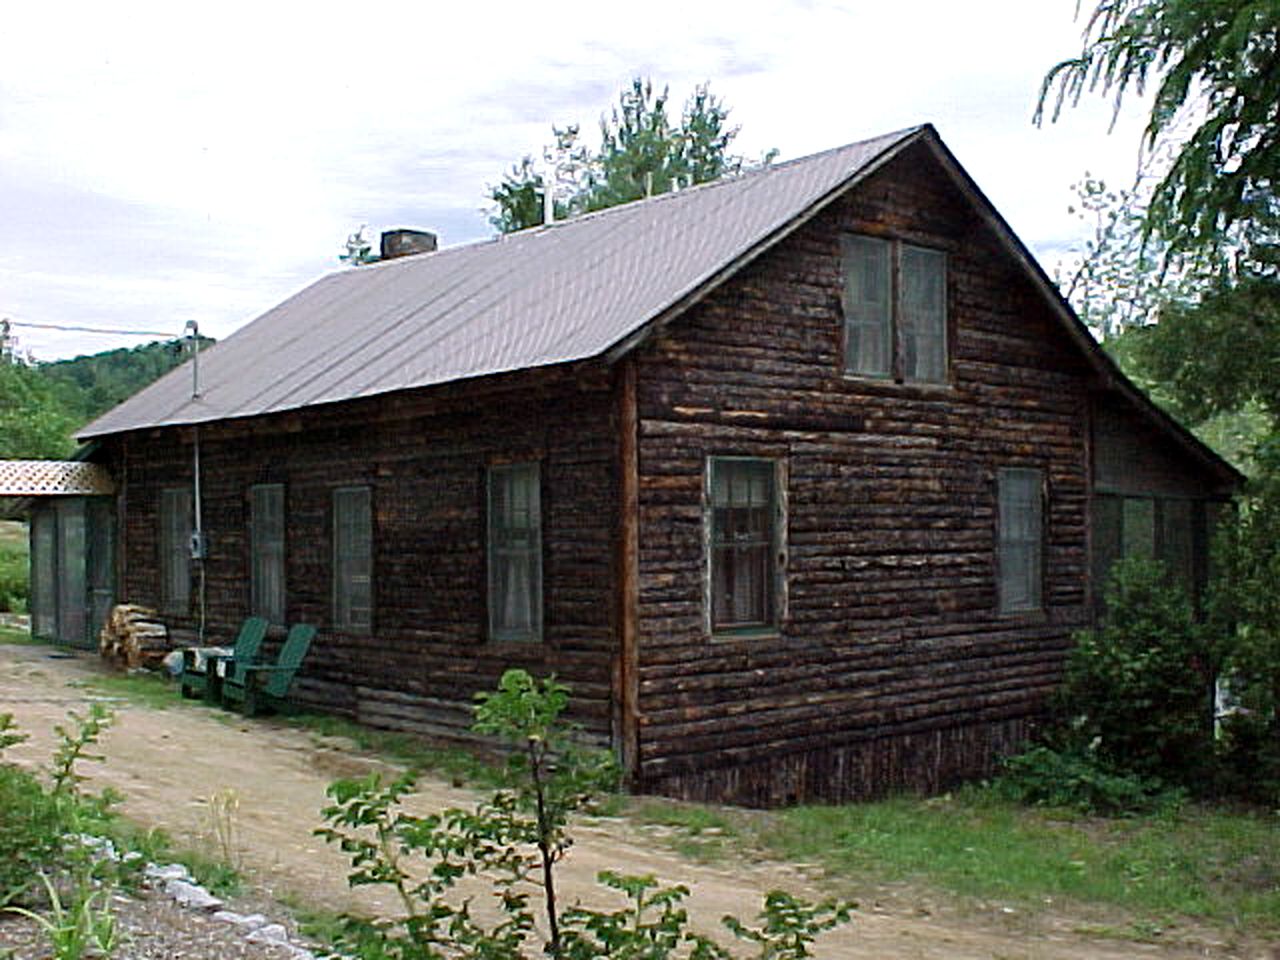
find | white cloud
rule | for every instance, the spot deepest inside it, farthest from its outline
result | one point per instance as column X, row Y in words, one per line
column 172, row 160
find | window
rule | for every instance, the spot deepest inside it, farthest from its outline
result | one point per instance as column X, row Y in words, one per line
column 895, row 310
column 175, row 549
column 1172, row 530
column 745, row 519
column 266, row 551
column 515, row 552
column 1020, row 560
column 352, row 559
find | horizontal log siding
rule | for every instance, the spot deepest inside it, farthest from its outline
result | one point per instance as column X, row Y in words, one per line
column 893, row 667
column 424, row 456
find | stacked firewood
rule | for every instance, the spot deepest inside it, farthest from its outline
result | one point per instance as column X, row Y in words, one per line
column 133, row 637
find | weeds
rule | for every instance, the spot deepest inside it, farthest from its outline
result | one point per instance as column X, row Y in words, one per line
column 85, row 923
column 223, row 807
column 513, row 841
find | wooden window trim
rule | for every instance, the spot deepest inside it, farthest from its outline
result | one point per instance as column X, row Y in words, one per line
column 1039, row 542
column 345, row 623
column 775, row 555
column 897, row 342
column 496, row 527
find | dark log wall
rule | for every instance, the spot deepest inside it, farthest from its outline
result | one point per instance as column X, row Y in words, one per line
column 424, row 456
column 892, row 666
column 1132, row 456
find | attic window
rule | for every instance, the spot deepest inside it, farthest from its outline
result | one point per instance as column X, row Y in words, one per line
column 895, row 310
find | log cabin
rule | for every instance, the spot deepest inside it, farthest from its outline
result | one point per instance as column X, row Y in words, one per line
column 801, row 480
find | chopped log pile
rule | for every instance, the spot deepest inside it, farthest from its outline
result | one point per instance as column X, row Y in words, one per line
column 133, row 637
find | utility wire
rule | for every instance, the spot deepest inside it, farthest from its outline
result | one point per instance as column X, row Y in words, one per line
column 58, row 326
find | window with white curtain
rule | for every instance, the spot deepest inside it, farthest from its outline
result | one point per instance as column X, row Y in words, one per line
column 895, row 310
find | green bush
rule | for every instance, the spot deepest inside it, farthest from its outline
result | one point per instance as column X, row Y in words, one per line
column 31, row 831
column 41, row 826
column 1076, row 778
column 1244, row 607
column 1139, row 690
column 14, row 588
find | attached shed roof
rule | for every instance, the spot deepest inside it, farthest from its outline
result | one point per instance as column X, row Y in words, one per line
column 48, row 478
column 564, row 292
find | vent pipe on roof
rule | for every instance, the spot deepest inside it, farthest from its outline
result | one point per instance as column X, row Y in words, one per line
column 405, row 243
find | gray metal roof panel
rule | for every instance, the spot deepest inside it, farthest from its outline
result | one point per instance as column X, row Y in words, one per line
column 565, row 292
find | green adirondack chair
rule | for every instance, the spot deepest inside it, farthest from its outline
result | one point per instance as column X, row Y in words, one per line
column 258, row 686
column 200, row 679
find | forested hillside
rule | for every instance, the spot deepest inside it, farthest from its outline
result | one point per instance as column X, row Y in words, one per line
column 43, row 404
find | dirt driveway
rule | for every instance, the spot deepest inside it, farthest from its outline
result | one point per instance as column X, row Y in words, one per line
column 169, row 763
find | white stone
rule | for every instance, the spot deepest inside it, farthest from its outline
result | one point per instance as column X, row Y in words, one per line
column 191, row 896
column 250, row 920
column 271, row 933
column 168, row 871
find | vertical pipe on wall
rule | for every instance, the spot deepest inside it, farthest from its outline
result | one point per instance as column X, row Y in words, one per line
column 197, row 537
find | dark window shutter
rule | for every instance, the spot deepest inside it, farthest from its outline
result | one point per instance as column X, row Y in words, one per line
column 175, row 549
column 353, row 559
column 1020, row 554
column 515, row 552
column 266, row 549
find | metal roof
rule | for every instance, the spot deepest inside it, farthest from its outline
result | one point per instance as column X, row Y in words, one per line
column 568, row 291
column 44, row 478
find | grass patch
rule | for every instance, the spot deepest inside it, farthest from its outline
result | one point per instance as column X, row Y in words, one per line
column 13, row 567
column 698, row 831
column 315, row 923
column 150, row 690
column 453, row 763
column 1205, row 863
column 156, row 846
column 13, row 635
column 13, row 535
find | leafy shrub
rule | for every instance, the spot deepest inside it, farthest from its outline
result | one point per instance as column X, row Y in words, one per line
column 1139, row 690
column 13, row 580
column 41, row 826
column 1244, row 607
column 31, row 831
column 1075, row 778
column 513, row 840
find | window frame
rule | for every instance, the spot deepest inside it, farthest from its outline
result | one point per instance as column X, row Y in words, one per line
column 267, row 545
column 344, row 579
column 174, row 547
column 775, row 553
column 896, row 322
column 507, row 543
column 1036, row 541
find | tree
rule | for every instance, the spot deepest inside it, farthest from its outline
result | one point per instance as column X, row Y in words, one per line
column 358, row 249
column 33, row 424
column 1216, row 66
column 643, row 152
column 1216, row 348
column 1212, row 217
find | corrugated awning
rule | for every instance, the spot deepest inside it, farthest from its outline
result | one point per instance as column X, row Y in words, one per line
column 53, row 478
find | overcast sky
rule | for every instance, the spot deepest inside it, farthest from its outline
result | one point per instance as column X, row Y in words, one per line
column 176, row 161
